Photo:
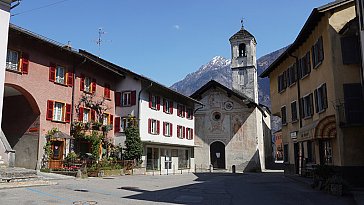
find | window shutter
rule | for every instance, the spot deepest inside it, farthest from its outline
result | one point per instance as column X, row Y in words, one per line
column 178, row 130
column 106, row 91
column 24, row 63
column 311, row 105
column 316, row 101
column 183, row 111
column 118, row 99
column 93, row 85
column 133, row 97
column 68, row 113
column 111, row 120
column 158, row 126
column 149, row 126
column 50, row 105
column 183, row 132
column 171, row 128
column 171, row 107
column 321, row 49
column 164, row 128
column 158, row 103
column 350, row 50
column 164, row 105
column 52, row 72
column 308, row 62
column 117, row 124
column 82, row 83
column 93, row 115
column 80, row 114
column 191, row 134
column 70, row 78
column 324, row 94
column 150, row 100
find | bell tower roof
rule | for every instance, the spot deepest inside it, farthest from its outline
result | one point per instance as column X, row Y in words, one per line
column 241, row 35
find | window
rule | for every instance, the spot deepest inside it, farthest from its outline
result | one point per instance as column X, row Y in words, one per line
column 284, row 115
column 86, row 115
column 183, row 159
column 87, row 84
column 285, row 153
column 60, row 75
column 321, row 98
column 294, row 111
column 107, row 119
column 350, row 49
column 310, row 151
column 189, row 113
column 181, row 110
column 282, row 81
column 153, row 126
column 58, row 111
column 242, row 50
column 189, row 133
column 180, row 131
column 168, row 106
column 305, row 65
column 353, row 106
column 317, row 52
column 307, row 106
column 167, row 129
column 154, row 102
column 126, row 98
column 291, row 74
column 125, row 123
column 12, row 60
column 326, row 152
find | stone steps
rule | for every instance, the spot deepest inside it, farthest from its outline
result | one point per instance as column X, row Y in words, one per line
column 16, row 174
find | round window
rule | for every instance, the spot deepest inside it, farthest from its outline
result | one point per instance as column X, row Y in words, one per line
column 216, row 116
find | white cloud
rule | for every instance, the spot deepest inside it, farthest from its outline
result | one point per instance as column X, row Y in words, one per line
column 177, row 27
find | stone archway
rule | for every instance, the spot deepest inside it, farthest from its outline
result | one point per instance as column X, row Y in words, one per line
column 217, row 155
column 21, row 125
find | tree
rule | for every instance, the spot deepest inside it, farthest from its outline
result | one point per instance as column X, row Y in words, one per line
column 134, row 146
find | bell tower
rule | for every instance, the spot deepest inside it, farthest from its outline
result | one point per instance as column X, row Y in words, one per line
column 244, row 64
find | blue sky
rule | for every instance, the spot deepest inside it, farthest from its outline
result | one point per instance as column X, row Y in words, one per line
column 164, row 39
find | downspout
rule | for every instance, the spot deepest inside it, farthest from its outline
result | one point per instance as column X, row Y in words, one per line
column 140, row 92
column 298, row 91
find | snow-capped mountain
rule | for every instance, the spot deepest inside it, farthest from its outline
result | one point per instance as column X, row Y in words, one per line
column 218, row 69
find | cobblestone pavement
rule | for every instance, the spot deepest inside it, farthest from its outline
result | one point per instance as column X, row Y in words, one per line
column 215, row 188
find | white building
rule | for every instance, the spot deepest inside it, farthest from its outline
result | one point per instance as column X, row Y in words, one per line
column 166, row 121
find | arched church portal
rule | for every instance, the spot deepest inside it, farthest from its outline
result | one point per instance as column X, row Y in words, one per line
column 217, row 155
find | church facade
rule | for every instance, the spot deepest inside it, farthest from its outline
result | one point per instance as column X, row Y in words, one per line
column 232, row 129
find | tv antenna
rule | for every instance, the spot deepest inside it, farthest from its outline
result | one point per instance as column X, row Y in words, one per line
column 242, row 22
column 99, row 40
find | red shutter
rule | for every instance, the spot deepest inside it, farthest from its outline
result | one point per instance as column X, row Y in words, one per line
column 158, row 126
column 68, row 113
column 178, row 129
column 25, row 63
column 111, row 120
column 164, row 105
column 191, row 134
column 117, row 98
column 117, row 124
column 171, row 129
column 82, row 83
column 52, row 72
column 150, row 100
column 107, row 91
column 171, row 107
column 80, row 114
column 133, row 97
column 164, row 128
column 93, row 115
column 149, row 125
column 158, row 103
column 93, row 85
column 70, row 78
column 49, row 115
column 184, row 132
column 183, row 111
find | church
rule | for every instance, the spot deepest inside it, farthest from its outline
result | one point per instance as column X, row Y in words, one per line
column 232, row 128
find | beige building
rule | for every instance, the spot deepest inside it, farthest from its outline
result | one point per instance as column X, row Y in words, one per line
column 316, row 90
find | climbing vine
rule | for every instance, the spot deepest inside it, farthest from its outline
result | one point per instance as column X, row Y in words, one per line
column 48, row 146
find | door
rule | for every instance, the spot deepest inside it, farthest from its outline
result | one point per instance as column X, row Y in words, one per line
column 217, row 155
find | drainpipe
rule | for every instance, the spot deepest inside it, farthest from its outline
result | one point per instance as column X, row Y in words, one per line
column 298, row 90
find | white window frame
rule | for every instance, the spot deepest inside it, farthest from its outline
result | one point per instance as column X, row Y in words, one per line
column 86, row 115
column 87, row 84
column 180, row 130
column 58, row 111
column 167, row 106
column 167, row 128
column 154, row 101
column 189, row 133
column 60, row 75
column 153, row 126
column 126, row 98
column 12, row 60
column 105, row 119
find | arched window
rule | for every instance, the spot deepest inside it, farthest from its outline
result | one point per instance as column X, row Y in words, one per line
column 242, row 50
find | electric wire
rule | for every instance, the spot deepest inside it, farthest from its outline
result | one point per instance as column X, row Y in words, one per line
column 41, row 7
